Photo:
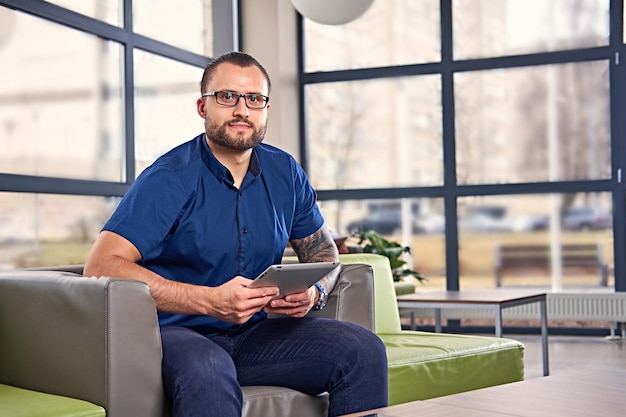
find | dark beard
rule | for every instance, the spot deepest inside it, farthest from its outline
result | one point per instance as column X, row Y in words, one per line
column 219, row 136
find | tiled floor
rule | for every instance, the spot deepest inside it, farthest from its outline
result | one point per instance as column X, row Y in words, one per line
column 569, row 352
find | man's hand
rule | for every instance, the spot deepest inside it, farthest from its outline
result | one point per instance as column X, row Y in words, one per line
column 294, row 305
column 234, row 302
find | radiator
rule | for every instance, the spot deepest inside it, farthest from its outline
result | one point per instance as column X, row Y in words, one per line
column 608, row 307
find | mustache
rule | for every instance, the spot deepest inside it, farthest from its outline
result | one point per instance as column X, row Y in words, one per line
column 240, row 120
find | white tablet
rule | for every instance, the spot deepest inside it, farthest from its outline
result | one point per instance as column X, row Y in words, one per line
column 292, row 278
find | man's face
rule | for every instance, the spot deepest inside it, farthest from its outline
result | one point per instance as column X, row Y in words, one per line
column 237, row 128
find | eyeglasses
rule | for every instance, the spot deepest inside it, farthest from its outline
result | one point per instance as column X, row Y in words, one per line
column 230, row 99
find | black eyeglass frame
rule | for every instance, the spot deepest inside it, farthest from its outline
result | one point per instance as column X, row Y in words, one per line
column 238, row 95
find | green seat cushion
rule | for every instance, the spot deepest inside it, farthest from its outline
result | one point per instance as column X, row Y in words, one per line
column 425, row 365
column 18, row 402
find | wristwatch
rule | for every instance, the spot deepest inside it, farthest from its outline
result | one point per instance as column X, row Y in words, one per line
column 321, row 301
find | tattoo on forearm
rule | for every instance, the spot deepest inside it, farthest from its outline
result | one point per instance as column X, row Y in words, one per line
column 318, row 247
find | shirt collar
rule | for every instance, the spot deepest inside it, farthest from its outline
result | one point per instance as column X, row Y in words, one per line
column 219, row 170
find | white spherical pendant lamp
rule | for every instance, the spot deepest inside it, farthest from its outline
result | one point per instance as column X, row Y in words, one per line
column 332, row 12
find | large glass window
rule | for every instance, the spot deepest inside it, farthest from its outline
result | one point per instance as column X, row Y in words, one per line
column 187, row 24
column 61, row 102
column 512, row 124
column 75, row 96
column 545, row 123
column 391, row 32
column 165, row 106
column 49, row 229
column 378, row 133
column 109, row 11
column 489, row 28
column 416, row 223
column 509, row 241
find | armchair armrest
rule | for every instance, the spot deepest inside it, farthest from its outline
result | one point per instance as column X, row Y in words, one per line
column 352, row 298
column 95, row 339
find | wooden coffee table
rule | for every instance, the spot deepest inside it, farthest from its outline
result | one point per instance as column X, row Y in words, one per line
column 425, row 409
column 577, row 393
column 496, row 300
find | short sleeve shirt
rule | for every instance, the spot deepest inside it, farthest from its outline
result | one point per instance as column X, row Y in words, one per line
column 191, row 224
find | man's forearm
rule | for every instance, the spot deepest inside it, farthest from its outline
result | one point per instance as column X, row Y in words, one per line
column 169, row 296
column 319, row 247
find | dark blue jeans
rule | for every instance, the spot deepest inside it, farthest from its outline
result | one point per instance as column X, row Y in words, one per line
column 202, row 375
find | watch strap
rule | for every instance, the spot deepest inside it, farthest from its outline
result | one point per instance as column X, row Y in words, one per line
column 321, row 301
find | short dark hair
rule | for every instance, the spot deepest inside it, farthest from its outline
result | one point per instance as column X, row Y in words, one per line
column 236, row 58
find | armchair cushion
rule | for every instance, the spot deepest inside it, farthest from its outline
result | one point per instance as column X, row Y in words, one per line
column 18, row 402
column 262, row 401
column 425, row 365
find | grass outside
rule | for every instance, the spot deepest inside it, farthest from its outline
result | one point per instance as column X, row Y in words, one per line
column 476, row 251
column 45, row 254
column 476, row 257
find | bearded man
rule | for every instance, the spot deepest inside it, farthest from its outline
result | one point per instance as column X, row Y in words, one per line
column 200, row 223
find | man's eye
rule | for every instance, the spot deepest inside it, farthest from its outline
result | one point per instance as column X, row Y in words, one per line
column 227, row 96
column 253, row 97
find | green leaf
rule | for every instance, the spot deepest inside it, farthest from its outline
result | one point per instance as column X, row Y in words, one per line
column 375, row 243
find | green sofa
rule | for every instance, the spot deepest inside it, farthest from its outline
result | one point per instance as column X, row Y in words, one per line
column 425, row 365
column 73, row 346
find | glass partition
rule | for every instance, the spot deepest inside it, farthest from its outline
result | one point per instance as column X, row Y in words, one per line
column 416, row 222
column 185, row 24
column 165, row 106
column 60, row 102
column 109, row 11
column 489, row 28
column 548, row 241
column 533, row 124
column 49, row 229
column 379, row 133
column 391, row 32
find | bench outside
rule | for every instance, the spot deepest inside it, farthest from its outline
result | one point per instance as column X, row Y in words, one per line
column 574, row 257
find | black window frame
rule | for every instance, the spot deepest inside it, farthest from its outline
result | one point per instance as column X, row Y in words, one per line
column 451, row 191
column 227, row 29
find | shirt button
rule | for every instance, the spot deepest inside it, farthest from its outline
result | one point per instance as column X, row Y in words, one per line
column 244, row 230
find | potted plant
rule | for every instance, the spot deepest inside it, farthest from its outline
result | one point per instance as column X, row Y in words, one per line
column 373, row 242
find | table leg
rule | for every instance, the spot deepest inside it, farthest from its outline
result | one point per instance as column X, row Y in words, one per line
column 438, row 320
column 499, row 321
column 544, row 336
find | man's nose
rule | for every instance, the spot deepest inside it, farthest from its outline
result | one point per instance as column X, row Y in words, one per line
column 241, row 109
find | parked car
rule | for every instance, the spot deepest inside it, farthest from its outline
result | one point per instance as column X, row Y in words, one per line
column 383, row 221
column 481, row 222
column 485, row 219
column 430, row 223
column 586, row 217
column 530, row 223
column 388, row 221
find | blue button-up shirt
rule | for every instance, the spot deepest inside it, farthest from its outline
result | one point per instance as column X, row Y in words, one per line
column 191, row 224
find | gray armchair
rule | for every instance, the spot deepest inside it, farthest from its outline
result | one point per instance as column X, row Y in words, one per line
column 97, row 340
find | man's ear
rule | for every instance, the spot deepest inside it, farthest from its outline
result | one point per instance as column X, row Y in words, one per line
column 201, row 108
